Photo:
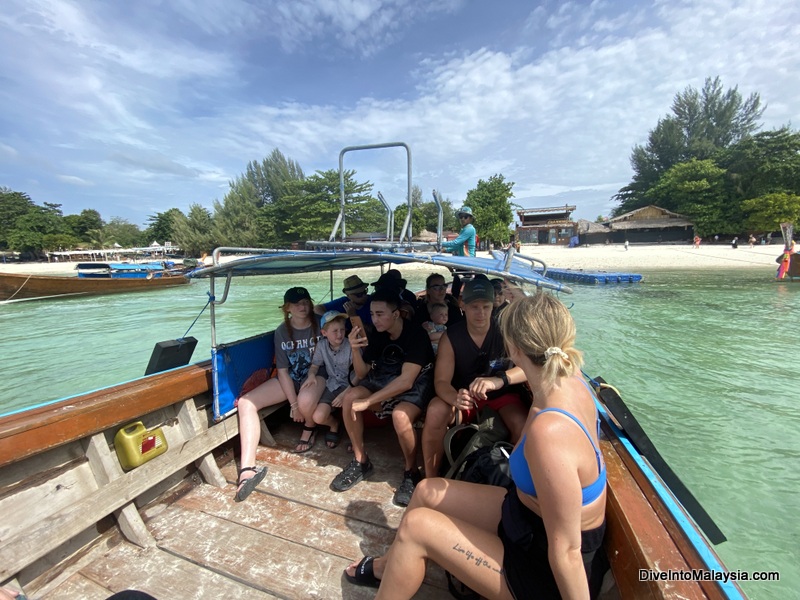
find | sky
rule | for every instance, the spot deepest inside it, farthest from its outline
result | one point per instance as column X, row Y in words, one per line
column 133, row 108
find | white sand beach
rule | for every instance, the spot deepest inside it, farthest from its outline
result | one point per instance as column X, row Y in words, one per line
column 591, row 258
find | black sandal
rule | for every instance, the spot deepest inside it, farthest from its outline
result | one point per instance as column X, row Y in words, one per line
column 332, row 438
column 246, row 486
column 309, row 443
column 365, row 575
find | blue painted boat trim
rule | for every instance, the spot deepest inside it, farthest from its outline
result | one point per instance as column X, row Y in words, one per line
column 699, row 543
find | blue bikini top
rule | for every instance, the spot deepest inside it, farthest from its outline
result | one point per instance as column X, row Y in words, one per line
column 521, row 473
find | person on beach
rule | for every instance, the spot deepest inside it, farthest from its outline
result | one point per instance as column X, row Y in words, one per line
column 464, row 244
column 542, row 537
column 735, row 243
column 354, row 303
column 295, row 340
column 396, row 380
column 472, row 372
column 696, row 245
column 335, row 354
column 752, row 241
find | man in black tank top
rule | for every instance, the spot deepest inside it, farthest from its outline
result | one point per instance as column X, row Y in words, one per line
column 471, row 372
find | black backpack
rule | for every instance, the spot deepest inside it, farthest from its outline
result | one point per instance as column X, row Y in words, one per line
column 481, row 456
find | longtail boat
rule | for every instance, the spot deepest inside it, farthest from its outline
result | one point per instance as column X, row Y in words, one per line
column 91, row 279
column 131, row 486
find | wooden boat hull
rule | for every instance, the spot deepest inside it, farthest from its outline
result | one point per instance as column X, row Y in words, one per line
column 16, row 286
column 64, row 499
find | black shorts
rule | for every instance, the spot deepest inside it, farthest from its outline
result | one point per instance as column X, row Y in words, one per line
column 329, row 396
column 526, row 566
column 419, row 395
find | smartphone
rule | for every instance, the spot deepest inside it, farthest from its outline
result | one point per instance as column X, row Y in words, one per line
column 356, row 321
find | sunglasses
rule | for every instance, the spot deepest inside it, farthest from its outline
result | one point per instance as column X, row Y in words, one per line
column 463, row 217
column 438, row 287
column 358, row 294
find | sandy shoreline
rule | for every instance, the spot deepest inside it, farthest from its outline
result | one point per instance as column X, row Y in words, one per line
column 592, row 258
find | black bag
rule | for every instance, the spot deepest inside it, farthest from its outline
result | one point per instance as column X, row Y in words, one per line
column 489, row 465
column 489, row 430
column 483, row 458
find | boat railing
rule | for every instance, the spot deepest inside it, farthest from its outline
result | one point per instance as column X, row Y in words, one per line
column 406, row 232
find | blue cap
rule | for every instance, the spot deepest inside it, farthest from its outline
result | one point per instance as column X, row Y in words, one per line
column 330, row 316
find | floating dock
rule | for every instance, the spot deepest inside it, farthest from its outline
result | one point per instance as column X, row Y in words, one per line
column 593, row 277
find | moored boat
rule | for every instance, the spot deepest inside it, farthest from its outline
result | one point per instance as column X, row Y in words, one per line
column 92, row 279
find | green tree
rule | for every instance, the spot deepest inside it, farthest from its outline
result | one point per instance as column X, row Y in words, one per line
column 715, row 118
column 54, row 242
column 310, row 206
column 160, row 225
column 703, row 123
column 79, row 225
column 236, row 218
column 271, row 177
column 12, row 206
column 100, row 238
column 193, row 231
column 766, row 213
column 125, row 233
column 430, row 216
column 30, row 229
column 695, row 189
column 767, row 162
column 490, row 202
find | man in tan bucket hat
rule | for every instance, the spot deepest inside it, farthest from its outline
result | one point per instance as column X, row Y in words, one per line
column 355, row 301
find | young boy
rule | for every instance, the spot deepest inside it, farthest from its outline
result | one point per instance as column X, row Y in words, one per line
column 335, row 353
column 436, row 326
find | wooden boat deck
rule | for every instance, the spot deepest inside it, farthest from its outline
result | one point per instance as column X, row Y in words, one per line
column 292, row 538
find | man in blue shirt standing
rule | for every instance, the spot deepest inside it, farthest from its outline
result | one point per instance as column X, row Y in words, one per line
column 464, row 244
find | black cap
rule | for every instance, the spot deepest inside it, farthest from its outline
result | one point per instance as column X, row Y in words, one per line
column 296, row 294
column 478, row 289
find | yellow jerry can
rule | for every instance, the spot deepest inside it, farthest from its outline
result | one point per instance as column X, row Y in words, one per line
column 135, row 445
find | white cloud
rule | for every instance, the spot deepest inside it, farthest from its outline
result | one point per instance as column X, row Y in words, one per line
column 73, row 180
column 8, row 151
column 172, row 100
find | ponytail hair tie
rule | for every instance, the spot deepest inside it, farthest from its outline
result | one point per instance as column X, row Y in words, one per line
column 555, row 350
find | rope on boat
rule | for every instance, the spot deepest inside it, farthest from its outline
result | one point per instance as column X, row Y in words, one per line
column 598, row 386
column 210, row 300
column 19, row 288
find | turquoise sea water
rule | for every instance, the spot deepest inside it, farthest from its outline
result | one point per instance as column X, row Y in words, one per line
column 705, row 360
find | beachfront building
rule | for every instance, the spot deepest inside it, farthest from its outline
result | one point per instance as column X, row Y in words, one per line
column 552, row 225
column 649, row 225
column 592, row 232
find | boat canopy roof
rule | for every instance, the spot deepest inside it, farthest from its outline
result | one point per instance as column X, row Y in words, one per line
column 302, row 261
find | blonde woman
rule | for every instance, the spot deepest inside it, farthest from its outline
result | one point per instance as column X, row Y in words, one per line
column 549, row 534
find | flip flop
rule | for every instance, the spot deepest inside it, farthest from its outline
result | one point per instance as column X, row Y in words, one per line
column 246, row 486
column 364, row 573
column 309, row 443
column 332, row 439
